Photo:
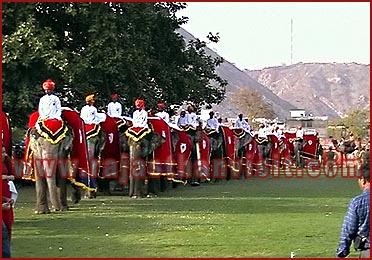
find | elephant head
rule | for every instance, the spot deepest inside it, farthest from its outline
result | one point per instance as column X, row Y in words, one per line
column 216, row 141
column 244, row 139
column 264, row 148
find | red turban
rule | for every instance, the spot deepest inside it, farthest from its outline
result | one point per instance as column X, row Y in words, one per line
column 49, row 84
column 161, row 106
column 114, row 96
column 139, row 103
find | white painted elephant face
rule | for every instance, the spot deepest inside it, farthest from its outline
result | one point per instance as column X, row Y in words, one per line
column 43, row 148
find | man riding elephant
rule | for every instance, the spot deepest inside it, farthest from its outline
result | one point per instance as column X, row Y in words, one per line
column 142, row 142
column 193, row 128
column 50, row 139
column 263, row 143
column 162, row 113
column 212, row 130
column 96, row 138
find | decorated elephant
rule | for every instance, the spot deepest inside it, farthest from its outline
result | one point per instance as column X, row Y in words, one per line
column 142, row 142
column 55, row 152
column 216, row 139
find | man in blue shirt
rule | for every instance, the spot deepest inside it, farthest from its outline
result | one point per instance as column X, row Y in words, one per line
column 356, row 223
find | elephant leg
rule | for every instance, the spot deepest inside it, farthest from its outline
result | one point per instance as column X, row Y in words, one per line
column 53, row 194
column 62, row 193
column 41, row 196
column 135, row 187
column 154, row 183
column 76, row 194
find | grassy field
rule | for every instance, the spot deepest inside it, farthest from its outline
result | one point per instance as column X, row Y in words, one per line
column 250, row 218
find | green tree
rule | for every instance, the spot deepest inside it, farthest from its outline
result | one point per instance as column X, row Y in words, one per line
column 129, row 48
column 253, row 104
column 358, row 121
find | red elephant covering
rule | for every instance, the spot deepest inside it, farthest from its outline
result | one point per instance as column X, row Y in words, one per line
column 275, row 152
column 291, row 136
column 6, row 133
column 311, row 144
column 229, row 147
column 112, row 145
column 251, row 153
column 79, row 144
column 203, row 151
column 162, row 162
column 286, row 154
column 183, row 153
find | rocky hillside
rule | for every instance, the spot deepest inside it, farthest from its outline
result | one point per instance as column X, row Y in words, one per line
column 332, row 89
column 238, row 79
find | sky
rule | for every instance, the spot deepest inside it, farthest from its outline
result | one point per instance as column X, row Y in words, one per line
column 254, row 35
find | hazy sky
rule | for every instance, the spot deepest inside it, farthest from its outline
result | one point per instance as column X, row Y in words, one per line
column 254, row 35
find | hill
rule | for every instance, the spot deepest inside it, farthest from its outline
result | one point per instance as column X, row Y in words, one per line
column 332, row 89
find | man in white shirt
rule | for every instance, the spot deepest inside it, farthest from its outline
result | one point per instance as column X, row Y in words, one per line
column 114, row 108
column 191, row 117
column 262, row 132
column 89, row 112
column 278, row 133
column 140, row 115
column 212, row 122
column 182, row 119
column 162, row 113
column 49, row 104
column 300, row 133
column 241, row 123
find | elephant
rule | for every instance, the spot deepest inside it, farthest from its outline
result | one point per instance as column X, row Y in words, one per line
column 45, row 152
column 141, row 143
column 217, row 149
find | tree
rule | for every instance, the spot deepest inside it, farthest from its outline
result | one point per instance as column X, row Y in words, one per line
column 358, row 121
column 253, row 104
column 129, row 48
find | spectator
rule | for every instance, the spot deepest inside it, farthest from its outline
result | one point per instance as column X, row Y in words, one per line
column 356, row 223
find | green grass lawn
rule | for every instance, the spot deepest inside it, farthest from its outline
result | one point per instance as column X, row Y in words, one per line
column 250, row 218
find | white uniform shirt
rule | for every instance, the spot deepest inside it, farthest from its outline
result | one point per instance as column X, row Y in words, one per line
column 140, row 118
column 164, row 115
column 279, row 133
column 90, row 115
column 114, row 109
column 243, row 124
column 262, row 132
column 182, row 121
column 213, row 123
column 300, row 133
column 192, row 119
column 50, row 107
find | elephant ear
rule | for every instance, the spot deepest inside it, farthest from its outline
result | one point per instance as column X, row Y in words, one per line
column 66, row 144
column 156, row 141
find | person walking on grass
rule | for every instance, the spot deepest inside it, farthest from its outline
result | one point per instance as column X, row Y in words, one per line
column 355, row 227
